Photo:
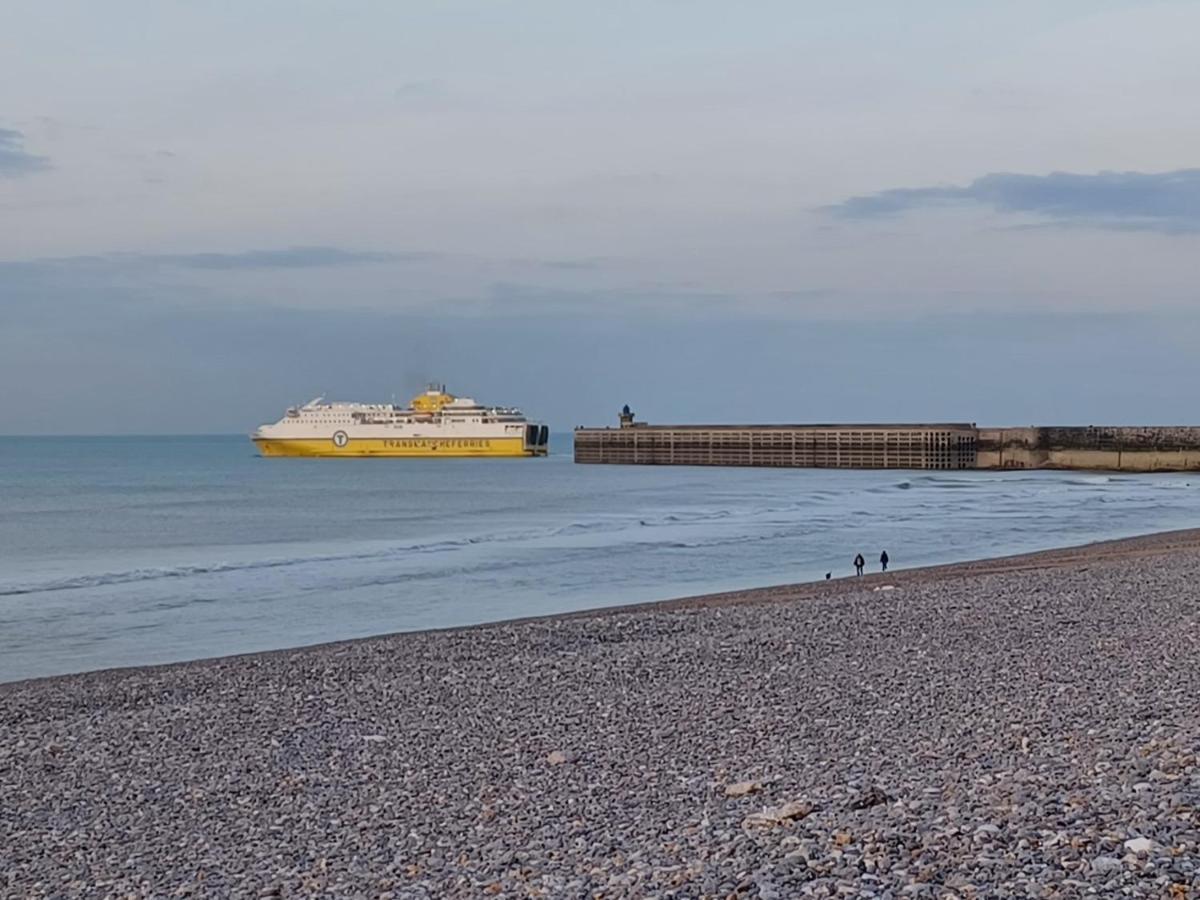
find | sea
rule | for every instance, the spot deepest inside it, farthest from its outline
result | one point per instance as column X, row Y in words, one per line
column 129, row 551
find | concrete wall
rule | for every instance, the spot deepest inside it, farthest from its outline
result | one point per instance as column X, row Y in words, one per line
column 808, row 446
column 1010, row 448
column 1111, row 448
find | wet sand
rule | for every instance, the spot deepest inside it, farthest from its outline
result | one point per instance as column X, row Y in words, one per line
column 1015, row 727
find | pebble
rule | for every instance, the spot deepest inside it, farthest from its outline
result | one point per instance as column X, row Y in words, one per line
column 742, row 788
column 778, row 815
column 1141, row 846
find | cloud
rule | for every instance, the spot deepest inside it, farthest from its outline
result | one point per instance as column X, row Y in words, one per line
column 432, row 95
column 289, row 258
column 178, row 279
column 14, row 159
column 1166, row 202
column 421, row 90
column 573, row 264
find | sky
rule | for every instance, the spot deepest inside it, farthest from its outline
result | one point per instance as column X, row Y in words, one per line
column 715, row 212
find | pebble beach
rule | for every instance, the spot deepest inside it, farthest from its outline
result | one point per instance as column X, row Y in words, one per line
column 1026, row 727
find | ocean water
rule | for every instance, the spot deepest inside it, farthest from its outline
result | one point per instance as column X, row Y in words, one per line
column 127, row 551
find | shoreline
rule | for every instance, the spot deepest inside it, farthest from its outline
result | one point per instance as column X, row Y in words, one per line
column 1023, row 726
column 1137, row 546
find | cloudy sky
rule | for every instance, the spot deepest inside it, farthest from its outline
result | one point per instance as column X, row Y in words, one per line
column 775, row 211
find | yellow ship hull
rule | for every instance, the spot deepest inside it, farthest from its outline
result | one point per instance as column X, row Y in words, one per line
column 399, row 447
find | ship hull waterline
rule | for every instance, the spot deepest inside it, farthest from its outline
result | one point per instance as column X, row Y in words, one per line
column 407, row 448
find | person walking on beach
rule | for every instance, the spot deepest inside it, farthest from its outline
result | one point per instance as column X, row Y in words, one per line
column 883, row 560
column 859, row 563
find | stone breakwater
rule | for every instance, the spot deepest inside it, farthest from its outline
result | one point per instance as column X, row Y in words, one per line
column 1020, row 729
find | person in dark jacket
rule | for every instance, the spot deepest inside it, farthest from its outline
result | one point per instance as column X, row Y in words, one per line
column 883, row 560
column 859, row 563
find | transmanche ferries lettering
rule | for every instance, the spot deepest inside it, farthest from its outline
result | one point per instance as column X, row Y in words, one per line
column 448, row 443
column 435, row 423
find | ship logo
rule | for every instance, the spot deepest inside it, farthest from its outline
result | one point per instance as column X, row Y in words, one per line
column 340, row 439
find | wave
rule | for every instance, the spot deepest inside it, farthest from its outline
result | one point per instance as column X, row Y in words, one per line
column 1089, row 480
column 588, row 528
column 132, row 576
column 724, row 523
column 561, row 558
column 149, row 574
column 676, row 518
column 692, row 518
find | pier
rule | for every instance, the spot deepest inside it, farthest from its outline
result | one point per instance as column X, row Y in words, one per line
column 893, row 446
column 810, row 446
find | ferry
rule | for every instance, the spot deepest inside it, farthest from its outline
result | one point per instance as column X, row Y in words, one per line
column 434, row 424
